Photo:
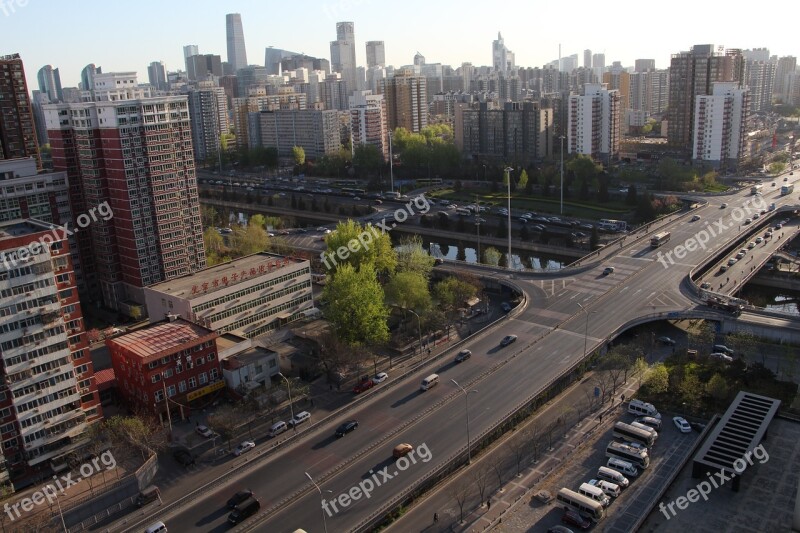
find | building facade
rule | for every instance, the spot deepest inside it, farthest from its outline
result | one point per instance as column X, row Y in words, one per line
column 343, row 53
column 594, row 123
column 316, row 131
column 368, row 121
column 17, row 125
column 258, row 100
column 720, row 126
column 157, row 75
column 237, row 52
column 202, row 67
column 376, row 54
column 49, row 80
column 406, row 104
column 49, row 397
column 208, row 110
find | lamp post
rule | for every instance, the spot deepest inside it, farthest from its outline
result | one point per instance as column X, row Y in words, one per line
column 478, row 228
column 466, row 397
column 419, row 329
column 391, row 164
column 586, row 328
column 321, row 501
column 61, row 513
column 291, row 408
column 562, row 174
column 508, row 182
column 166, row 403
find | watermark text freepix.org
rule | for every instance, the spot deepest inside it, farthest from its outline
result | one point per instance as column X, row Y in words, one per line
column 11, row 259
column 709, row 231
column 371, row 232
column 50, row 492
column 375, row 480
column 715, row 480
column 9, row 7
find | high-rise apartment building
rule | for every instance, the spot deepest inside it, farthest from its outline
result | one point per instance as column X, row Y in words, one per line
column 406, row 104
column 343, row 53
column 759, row 77
column 594, row 123
column 368, row 121
column 258, row 100
column 237, row 54
column 137, row 156
column 376, row 54
column 201, row 67
column 692, row 74
column 317, row 132
column 618, row 78
column 157, row 75
column 17, row 125
column 587, row 58
column 334, row 92
column 785, row 79
column 502, row 57
column 644, row 65
column 49, row 396
column 49, row 80
column 720, row 121
column 208, row 110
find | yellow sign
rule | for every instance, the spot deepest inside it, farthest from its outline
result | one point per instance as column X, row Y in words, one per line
column 205, row 390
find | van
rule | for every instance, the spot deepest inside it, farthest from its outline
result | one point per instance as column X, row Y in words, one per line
column 647, row 428
column 429, row 382
column 244, row 510
column 609, row 474
column 277, row 428
column 299, row 418
column 623, row 467
column 640, row 408
column 158, row 527
column 150, row 494
column 609, row 489
column 595, row 493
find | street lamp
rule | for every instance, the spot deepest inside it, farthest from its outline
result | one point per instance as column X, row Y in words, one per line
column 391, row 163
column 419, row 329
column 291, row 408
column 508, row 182
column 586, row 328
column 166, row 403
column 478, row 227
column 562, row 174
column 466, row 397
column 321, row 501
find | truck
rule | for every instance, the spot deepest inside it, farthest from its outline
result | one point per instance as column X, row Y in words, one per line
column 787, row 189
column 756, row 189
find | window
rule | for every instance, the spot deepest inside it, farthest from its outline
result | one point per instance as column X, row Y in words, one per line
column 192, row 383
column 203, row 378
column 168, row 373
column 214, row 374
column 182, row 386
column 171, row 391
column 159, row 395
column 155, row 378
column 211, row 357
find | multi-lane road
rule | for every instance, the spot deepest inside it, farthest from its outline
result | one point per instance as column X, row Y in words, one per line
column 552, row 331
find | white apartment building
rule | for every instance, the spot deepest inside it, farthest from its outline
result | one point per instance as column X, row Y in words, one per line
column 594, row 123
column 368, row 121
column 719, row 125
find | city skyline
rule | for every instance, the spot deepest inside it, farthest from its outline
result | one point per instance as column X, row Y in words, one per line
column 469, row 34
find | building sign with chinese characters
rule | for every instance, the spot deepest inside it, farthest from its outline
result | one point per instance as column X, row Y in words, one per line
column 238, row 276
column 205, row 390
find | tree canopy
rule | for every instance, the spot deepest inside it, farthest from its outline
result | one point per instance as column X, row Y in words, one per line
column 356, row 308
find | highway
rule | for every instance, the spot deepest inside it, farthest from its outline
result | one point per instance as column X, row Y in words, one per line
column 551, row 338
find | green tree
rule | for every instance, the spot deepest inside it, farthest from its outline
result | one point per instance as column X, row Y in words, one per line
column 298, row 155
column 451, row 293
column 657, row 381
column 368, row 158
column 213, row 240
column 356, row 308
column 522, row 182
column 258, row 220
column 690, row 389
column 492, row 256
column 413, row 257
column 249, row 240
column 354, row 244
column 408, row 290
column 209, row 216
column 701, row 336
column 584, row 168
column 717, row 388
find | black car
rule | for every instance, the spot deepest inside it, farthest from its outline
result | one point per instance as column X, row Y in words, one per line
column 508, row 339
column 183, row 457
column 244, row 510
column 463, row 355
column 505, row 306
column 346, row 428
column 239, row 497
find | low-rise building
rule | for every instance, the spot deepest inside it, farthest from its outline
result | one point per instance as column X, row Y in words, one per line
column 246, row 366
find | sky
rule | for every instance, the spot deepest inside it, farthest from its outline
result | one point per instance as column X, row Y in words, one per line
column 125, row 36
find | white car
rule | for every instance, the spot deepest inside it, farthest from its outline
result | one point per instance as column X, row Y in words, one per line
column 380, row 377
column 682, row 424
column 204, row 431
column 244, row 446
column 725, row 358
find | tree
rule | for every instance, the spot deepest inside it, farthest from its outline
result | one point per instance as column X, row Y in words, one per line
column 356, row 308
column 491, row 256
column 717, row 388
column 690, row 389
column 701, row 335
column 213, row 240
column 640, row 369
column 632, row 198
column 518, row 447
column 368, row 158
column 408, row 290
column 258, row 220
column 225, row 421
column 354, row 244
column 209, row 216
column 298, row 155
column 480, row 476
column 522, row 182
column 594, row 238
column 249, row 240
column 602, row 189
column 502, row 230
column 413, row 257
column 460, row 493
column 657, row 382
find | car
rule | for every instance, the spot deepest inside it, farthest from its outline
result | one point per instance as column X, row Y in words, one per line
column 695, row 218
column 239, row 497
column 505, row 306
column 574, row 518
column 204, row 431
column 378, row 201
column 650, row 421
column 636, row 446
column 773, row 183
column 705, row 285
column 479, row 220
column 463, row 355
column 723, row 268
column 438, row 261
column 740, row 255
column 537, row 227
column 755, row 216
column 183, row 457
column 542, row 220
column 778, row 226
column 357, row 198
column 244, row 446
column 586, row 226
column 732, row 261
column 748, row 221
column 786, row 178
column 508, row 339
column 721, row 348
column 527, row 215
column 759, row 240
column 346, row 428
column 363, row 385
column 751, row 245
column 723, row 206
column 579, row 234
column 559, row 529
column 682, row 425
column 523, row 220
column 725, row 358
column 380, row 377
column 666, row 340
column 401, row 450
column 608, row 270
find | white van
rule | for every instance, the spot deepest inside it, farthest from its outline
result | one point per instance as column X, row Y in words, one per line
column 595, row 493
column 608, row 488
column 609, row 474
column 299, row 418
column 640, row 408
column 277, row 428
column 624, row 467
column 429, row 382
column 158, row 527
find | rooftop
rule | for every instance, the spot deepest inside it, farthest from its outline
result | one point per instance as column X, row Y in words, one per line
column 161, row 337
column 23, row 227
column 224, row 275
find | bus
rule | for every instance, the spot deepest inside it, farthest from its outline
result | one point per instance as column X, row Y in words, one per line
column 353, row 192
column 659, row 239
column 345, row 183
column 612, row 225
column 583, row 504
column 428, row 182
column 632, row 433
column 787, row 189
column 392, row 195
column 463, row 211
column 756, row 189
column 628, row 453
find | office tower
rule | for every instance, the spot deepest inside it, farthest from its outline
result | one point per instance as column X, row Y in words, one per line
column 237, row 54
column 692, row 74
column 569, row 63
column 502, row 57
column 376, row 54
column 759, row 77
column 343, row 53
column 334, row 92
column 208, row 110
column 251, row 77
column 405, row 95
column 201, row 67
column 87, row 76
column 257, row 100
column 618, row 78
column 785, row 79
column 136, row 154
column 587, row 58
column 594, row 123
column 467, row 72
column 317, row 132
column 756, row 54
column 599, row 61
column 50, row 396
column 368, row 121
column 720, row 121
column 157, row 75
column 273, row 58
column 50, row 83
column 520, row 132
column 38, row 99
column 293, row 61
column 643, row 65
column 189, row 50
column 419, row 60
column 17, row 125
column 509, row 89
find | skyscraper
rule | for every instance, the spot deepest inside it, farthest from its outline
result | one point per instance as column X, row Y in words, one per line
column 368, row 121
column 208, row 109
column 202, row 66
column 237, row 54
column 587, row 58
column 157, row 75
column 17, row 126
column 502, row 57
column 720, row 120
column 87, row 77
column 376, row 54
column 594, row 123
column 643, row 65
column 50, row 83
column 343, row 53
column 406, row 104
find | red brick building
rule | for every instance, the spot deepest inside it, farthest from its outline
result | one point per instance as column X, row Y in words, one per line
column 175, row 358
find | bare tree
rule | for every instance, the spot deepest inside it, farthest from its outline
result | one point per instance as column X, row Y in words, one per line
column 481, row 478
column 225, row 421
column 517, row 446
column 460, row 493
column 602, row 381
column 498, row 468
column 566, row 411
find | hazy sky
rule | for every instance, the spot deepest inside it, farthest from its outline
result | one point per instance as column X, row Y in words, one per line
column 121, row 36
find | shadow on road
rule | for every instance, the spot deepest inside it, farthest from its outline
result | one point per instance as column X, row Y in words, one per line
column 408, row 398
column 325, row 442
column 378, row 467
column 213, row 517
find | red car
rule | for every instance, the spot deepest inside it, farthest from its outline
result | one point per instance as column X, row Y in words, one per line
column 363, row 385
